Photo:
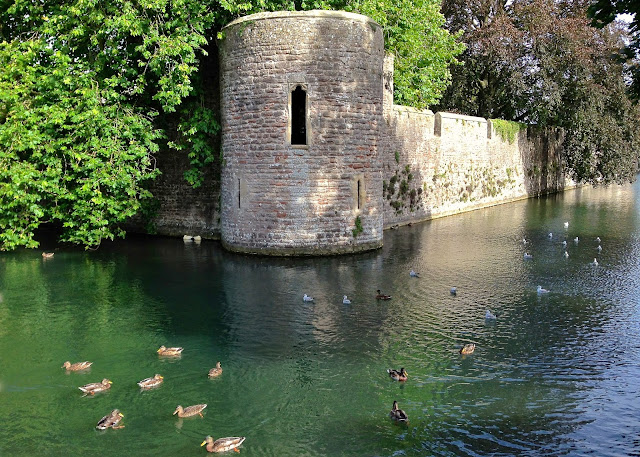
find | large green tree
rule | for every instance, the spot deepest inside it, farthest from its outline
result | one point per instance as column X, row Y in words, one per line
column 540, row 62
column 90, row 89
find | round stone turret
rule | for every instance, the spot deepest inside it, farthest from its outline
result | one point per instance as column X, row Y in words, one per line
column 302, row 100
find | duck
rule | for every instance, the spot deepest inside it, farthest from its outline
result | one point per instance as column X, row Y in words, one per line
column 595, row 262
column 189, row 410
column 397, row 414
column 78, row 366
column 215, row 371
column 150, row 383
column 305, row 297
column 345, row 300
column 527, row 256
column 413, row 274
column 542, row 290
column 170, row 351
column 489, row 315
column 111, row 420
column 467, row 349
column 94, row 387
column 47, row 255
column 453, row 291
column 398, row 375
column 223, row 444
column 381, row 296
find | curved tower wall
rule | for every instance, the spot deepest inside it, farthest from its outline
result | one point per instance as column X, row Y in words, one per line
column 302, row 102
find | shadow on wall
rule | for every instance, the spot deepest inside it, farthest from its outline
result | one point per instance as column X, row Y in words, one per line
column 542, row 157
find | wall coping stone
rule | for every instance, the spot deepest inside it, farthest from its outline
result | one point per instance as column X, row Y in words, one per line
column 325, row 14
column 445, row 115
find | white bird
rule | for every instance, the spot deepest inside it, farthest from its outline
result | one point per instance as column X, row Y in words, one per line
column 453, row 291
column 541, row 290
column 598, row 239
column 414, row 274
column 489, row 315
column 564, row 244
column 566, row 254
column 527, row 256
column 595, row 262
column 307, row 298
column 345, row 300
column 566, row 225
column 599, row 248
column 550, row 235
column 524, row 241
column 576, row 239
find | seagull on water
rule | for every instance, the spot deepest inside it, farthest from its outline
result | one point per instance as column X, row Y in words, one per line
column 599, row 248
column 541, row 290
column 550, row 235
column 453, row 291
column 307, row 298
column 566, row 225
column 527, row 256
column 566, row 254
column 414, row 274
column 598, row 239
column 576, row 240
column 595, row 262
column 489, row 315
column 564, row 244
column 345, row 300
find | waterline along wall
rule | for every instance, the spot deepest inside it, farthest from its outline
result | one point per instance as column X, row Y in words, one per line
column 317, row 159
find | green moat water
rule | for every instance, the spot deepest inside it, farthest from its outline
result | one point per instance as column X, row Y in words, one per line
column 555, row 374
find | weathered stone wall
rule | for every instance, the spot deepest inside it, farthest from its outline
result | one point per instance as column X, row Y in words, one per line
column 442, row 164
column 290, row 199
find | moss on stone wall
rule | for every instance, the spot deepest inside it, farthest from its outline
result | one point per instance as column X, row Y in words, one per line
column 507, row 130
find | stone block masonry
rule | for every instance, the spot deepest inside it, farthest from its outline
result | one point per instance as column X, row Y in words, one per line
column 316, row 158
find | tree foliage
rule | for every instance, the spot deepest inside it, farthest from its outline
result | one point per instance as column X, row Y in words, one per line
column 540, row 62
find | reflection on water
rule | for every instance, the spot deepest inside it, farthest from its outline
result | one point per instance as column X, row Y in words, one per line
column 555, row 374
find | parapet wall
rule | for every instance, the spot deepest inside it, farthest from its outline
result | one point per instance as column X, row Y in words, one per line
column 444, row 163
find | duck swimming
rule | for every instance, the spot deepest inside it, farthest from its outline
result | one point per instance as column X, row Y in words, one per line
column 467, row 349
column 78, row 366
column 223, row 444
column 381, row 296
column 170, row 351
column 398, row 375
column 111, row 420
column 189, row 410
column 215, row 371
column 95, row 387
column 397, row 414
column 150, row 383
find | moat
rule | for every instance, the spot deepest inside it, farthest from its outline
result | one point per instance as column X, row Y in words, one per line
column 554, row 374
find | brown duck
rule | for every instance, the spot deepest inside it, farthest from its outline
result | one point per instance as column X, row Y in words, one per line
column 78, row 366
column 189, row 410
column 223, row 444
column 215, row 371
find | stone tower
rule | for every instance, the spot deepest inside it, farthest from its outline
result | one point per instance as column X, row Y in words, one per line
column 302, row 102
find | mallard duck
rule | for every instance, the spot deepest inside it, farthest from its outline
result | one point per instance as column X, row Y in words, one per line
column 149, row 383
column 223, row 444
column 398, row 375
column 215, row 371
column 467, row 349
column 111, row 420
column 397, row 414
column 169, row 351
column 76, row 366
column 189, row 410
column 94, row 387
column 381, row 296
column 47, row 255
